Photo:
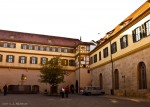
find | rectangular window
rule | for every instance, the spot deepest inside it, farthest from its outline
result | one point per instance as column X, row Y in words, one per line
column 53, row 49
column 10, row 58
column 36, row 48
column 88, row 48
column 22, row 59
column 100, row 56
column 91, row 60
column 5, row 45
column 59, row 49
column 1, row 58
column 12, row 45
column 64, row 62
column 30, row 47
column 65, row 50
column 33, row 60
column 105, row 51
column 41, row 48
column 44, row 60
column 47, row 48
column 113, row 47
column 71, row 62
column 136, row 34
column 24, row 46
column 124, row 42
column 95, row 58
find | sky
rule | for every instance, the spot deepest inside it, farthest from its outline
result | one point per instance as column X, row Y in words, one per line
column 90, row 19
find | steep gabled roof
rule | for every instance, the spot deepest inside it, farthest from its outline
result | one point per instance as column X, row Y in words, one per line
column 128, row 20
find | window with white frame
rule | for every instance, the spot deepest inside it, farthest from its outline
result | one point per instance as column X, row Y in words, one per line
column 33, row 60
column 44, row 60
column 124, row 42
column 10, row 58
column 22, row 59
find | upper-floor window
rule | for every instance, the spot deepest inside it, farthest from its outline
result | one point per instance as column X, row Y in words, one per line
column 64, row 62
column 22, row 59
column 65, row 50
column 5, row 45
column 88, row 48
column 71, row 50
column 30, row 47
column 148, row 28
column 91, row 60
column 47, row 48
column 114, row 47
column 59, row 49
column 12, row 45
column 105, row 52
column 95, row 58
column 24, row 46
column 42, row 48
column 124, row 42
column 71, row 62
column 9, row 58
column 53, row 49
column 44, row 60
column 136, row 34
column 1, row 58
column 100, row 55
column 141, row 31
column 36, row 48
column 33, row 60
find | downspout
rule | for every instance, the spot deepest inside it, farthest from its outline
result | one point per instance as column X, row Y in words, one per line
column 112, row 67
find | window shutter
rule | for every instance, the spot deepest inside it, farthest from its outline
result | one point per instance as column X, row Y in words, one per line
column 66, row 62
column 1, row 58
column 25, row 59
column 30, row 60
column 133, row 36
column 13, row 58
column 121, row 42
column 126, row 36
column 19, row 59
column 21, row 46
column 36, row 60
column 7, row 58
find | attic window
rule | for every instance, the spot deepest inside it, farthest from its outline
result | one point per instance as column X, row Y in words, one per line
column 124, row 23
column 49, row 41
column 11, row 37
column 110, row 32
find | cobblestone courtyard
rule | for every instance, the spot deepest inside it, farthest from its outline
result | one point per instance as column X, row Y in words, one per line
column 39, row 100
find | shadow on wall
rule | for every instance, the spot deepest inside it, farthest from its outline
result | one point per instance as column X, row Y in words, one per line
column 23, row 89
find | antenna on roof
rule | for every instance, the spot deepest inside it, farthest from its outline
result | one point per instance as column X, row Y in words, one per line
column 80, row 38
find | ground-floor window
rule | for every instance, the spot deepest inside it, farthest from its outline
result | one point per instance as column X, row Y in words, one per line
column 142, row 76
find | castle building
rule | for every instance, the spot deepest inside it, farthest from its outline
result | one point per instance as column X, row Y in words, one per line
column 21, row 55
column 120, row 63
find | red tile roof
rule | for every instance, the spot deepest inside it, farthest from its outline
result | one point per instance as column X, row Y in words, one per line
column 39, row 39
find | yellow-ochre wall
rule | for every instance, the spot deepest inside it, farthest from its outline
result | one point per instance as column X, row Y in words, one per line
column 125, row 60
column 10, row 73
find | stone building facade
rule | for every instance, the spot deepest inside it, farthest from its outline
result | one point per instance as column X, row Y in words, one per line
column 120, row 62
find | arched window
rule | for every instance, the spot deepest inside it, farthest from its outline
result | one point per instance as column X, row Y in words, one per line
column 116, row 79
column 142, row 76
column 100, row 81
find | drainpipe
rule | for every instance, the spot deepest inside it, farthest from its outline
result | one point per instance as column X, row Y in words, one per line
column 112, row 90
column 79, row 71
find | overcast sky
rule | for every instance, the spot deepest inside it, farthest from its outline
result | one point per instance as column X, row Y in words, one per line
column 66, row 18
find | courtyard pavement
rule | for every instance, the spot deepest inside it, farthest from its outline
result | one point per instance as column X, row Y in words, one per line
column 39, row 100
